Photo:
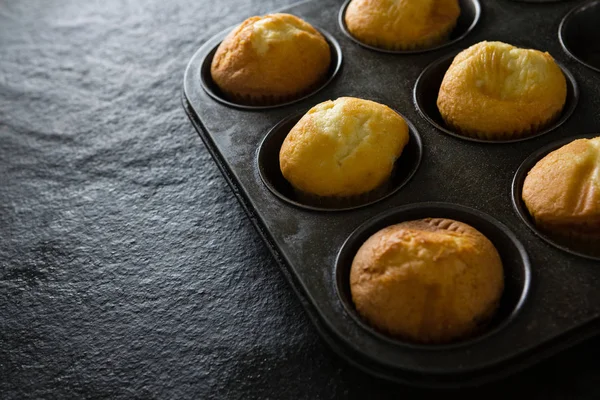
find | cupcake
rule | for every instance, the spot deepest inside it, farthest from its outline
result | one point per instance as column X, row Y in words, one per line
column 427, row 281
column 270, row 59
column 497, row 91
column 342, row 152
column 401, row 25
column 562, row 194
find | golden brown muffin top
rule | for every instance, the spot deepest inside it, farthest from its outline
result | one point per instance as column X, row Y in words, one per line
column 498, row 88
column 343, row 147
column 400, row 21
column 563, row 188
column 275, row 54
column 430, row 280
column 505, row 72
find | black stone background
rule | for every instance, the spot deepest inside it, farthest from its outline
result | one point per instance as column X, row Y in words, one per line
column 127, row 267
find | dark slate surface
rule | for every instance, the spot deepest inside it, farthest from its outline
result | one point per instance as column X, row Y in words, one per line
column 127, row 268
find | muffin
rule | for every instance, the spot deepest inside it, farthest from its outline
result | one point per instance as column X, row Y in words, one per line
column 497, row 91
column 343, row 151
column 270, row 59
column 402, row 25
column 562, row 194
column 427, row 281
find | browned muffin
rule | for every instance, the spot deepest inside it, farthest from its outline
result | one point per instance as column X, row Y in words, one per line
column 427, row 281
column 562, row 194
column 270, row 59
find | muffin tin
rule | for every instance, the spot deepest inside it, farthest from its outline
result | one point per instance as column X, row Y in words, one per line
column 551, row 300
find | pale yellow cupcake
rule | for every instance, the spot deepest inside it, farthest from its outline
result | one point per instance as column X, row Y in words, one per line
column 343, row 150
column 497, row 91
column 427, row 281
column 270, row 59
column 402, row 24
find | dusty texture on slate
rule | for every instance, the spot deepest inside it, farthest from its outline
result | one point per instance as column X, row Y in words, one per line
column 127, row 268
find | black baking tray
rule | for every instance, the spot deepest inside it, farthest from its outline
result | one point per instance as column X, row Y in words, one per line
column 552, row 299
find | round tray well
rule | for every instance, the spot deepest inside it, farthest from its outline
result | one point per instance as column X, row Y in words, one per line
column 270, row 172
column 580, row 35
column 521, row 208
column 470, row 14
column 515, row 261
column 428, row 85
column 211, row 88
